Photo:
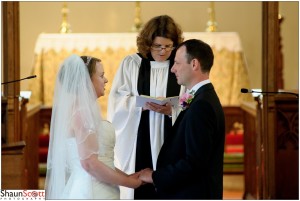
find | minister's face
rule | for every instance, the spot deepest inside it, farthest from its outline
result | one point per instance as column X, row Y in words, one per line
column 161, row 48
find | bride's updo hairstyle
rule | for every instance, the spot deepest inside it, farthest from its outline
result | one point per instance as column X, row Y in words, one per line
column 90, row 63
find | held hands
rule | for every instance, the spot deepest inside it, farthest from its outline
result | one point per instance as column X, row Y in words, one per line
column 136, row 181
column 163, row 109
column 146, row 175
column 142, row 177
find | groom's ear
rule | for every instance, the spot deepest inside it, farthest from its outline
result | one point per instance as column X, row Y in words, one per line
column 196, row 64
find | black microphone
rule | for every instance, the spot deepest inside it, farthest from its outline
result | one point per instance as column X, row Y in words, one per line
column 29, row 77
column 243, row 90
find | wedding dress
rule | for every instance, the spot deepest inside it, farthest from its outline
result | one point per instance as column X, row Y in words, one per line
column 77, row 132
column 82, row 185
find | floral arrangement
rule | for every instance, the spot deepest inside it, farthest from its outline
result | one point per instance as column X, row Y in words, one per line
column 186, row 99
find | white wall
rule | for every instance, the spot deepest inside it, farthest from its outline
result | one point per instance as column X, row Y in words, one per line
column 102, row 17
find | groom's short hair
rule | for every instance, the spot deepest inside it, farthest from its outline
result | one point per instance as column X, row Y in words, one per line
column 197, row 49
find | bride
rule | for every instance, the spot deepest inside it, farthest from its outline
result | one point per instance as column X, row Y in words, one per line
column 81, row 149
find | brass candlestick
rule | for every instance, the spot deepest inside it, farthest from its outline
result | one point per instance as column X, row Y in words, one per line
column 211, row 24
column 65, row 27
column 137, row 26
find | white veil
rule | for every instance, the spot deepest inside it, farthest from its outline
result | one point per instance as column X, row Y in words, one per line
column 75, row 114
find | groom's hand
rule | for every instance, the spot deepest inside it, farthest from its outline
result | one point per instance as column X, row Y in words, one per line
column 146, row 175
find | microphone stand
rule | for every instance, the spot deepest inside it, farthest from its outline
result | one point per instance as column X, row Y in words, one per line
column 243, row 90
column 279, row 92
column 30, row 77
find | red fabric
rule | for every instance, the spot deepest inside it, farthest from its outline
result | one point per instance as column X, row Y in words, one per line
column 43, row 147
column 43, row 152
column 43, row 140
column 234, row 153
column 234, row 149
column 234, row 138
column 234, row 143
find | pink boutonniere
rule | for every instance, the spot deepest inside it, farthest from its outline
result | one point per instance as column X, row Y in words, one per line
column 186, row 99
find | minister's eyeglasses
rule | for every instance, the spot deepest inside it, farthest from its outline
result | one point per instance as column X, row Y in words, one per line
column 167, row 48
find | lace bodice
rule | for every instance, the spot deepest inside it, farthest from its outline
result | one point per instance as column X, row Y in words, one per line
column 106, row 141
column 81, row 185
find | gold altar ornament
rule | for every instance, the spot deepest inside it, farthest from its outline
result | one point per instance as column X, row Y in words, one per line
column 137, row 26
column 65, row 26
column 211, row 24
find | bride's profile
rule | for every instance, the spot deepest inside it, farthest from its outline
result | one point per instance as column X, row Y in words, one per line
column 80, row 162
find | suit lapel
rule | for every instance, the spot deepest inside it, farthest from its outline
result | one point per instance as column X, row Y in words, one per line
column 199, row 91
column 202, row 89
column 179, row 118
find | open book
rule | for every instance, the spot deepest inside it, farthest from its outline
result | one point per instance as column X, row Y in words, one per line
column 142, row 100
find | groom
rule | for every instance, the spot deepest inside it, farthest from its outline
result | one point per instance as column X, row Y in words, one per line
column 190, row 162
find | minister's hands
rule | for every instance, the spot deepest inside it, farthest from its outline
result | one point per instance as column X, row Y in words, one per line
column 163, row 109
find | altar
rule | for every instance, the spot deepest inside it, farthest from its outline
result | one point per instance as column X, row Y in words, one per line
column 229, row 73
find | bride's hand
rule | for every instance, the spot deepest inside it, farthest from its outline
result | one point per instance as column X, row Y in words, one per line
column 135, row 175
column 136, row 182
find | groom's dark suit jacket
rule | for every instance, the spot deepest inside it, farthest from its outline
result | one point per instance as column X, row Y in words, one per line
column 190, row 162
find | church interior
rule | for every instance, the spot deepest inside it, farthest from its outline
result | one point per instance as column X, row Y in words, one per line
column 256, row 46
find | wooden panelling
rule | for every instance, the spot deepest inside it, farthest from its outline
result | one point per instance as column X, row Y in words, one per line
column 45, row 116
column 285, row 153
column 233, row 114
column 13, row 171
column 251, row 147
column 32, row 133
column 20, row 160
column 287, row 148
